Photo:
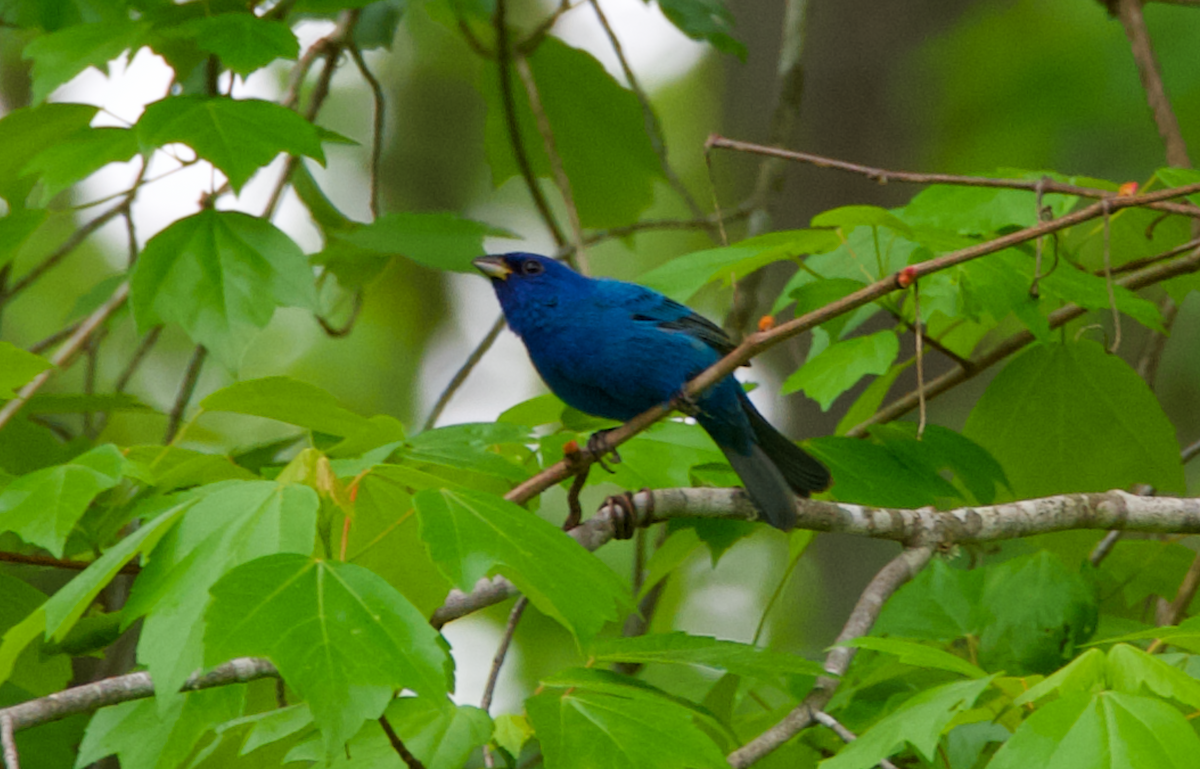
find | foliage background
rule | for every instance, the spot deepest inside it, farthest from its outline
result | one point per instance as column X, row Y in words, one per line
column 938, row 86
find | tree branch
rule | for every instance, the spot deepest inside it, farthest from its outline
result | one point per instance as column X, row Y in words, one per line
column 899, row 570
column 133, row 686
column 883, row 176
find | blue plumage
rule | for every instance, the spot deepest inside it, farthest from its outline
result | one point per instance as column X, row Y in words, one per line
column 615, row 349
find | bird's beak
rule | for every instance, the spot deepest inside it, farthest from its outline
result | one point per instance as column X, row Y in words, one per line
column 493, row 266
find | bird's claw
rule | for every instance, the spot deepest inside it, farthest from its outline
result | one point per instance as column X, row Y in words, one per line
column 597, row 446
column 685, row 404
column 624, row 513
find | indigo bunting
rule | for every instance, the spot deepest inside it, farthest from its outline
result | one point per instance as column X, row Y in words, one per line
column 614, row 349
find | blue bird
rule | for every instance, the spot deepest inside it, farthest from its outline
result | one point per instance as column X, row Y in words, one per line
column 614, row 349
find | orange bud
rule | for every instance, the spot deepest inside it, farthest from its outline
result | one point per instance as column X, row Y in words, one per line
column 571, row 447
column 906, row 277
column 766, row 323
column 1128, row 188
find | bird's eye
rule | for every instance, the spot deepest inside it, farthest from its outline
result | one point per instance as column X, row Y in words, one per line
column 532, row 267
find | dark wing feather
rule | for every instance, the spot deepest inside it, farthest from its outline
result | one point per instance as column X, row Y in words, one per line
column 647, row 306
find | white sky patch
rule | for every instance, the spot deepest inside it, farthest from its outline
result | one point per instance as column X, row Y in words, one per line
column 657, row 52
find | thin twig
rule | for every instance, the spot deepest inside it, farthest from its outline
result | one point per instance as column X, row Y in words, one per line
column 411, row 761
column 1104, row 547
column 58, row 563
column 653, row 126
column 920, row 343
column 1130, row 13
column 884, row 176
column 377, row 123
column 45, row 344
column 139, row 355
column 71, row 243
column 489, row 690
column 1176, row 610
column 186, row 388
column 511, row 122
column 63, row 356
column 1108, row 282
column 463, row 372
column 844, row 734
column 579, row 258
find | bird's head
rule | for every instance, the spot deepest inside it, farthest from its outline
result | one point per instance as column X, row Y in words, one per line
column 525, row 280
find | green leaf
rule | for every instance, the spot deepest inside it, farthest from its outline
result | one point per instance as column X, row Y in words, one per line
column 819, row 293
column 220, row 275
column 669, row 556
column 1181, row 177
column 144, row 736
column 232, row 523
column 443, row 241
column 582, row 728
column 941, row 450
column 939, row 604
column 681, row 648
column 168, row 468
column 469, row 447
column 438, row 734
column 839, row 367
column 17, row 367
column 288, row 400
column 60, row 613
column 707, row 20
column 982, row 210
column 26, row 132
column 43, row 506
column 511, row 732
column 681, row 277
column 1110, row 730
column 341, row 637
column 1133, row 671
column 599, row 132
column 16, row 227
column 1068, row 417
column 918, row 655
column 472, row 535
column 919, row 722
column 37, row 672
column 1085, row 674
column 78, row 403
column 1038, row 613
column 242, row 41
column 894, row 481
column 847, row 218
column 62, row 165
column 1090, row 291
column 872, row 397
column 238, row 136
column 60, row 56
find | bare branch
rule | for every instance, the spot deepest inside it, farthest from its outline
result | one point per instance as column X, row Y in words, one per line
column 9, row 742
column 58, row 563
column 411, row 761
column 899, row 570
column 485, row 704
column 133, row 686
column 883, row 176
column 377, row 122
column 844, row 734
column 186, row 388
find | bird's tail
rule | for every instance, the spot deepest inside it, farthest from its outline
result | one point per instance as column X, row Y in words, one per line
column 766, row 486
column 803, row 474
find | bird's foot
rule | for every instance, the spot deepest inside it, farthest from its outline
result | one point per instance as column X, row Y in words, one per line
column 685, row 404
column 624, row 513
column 597, row 446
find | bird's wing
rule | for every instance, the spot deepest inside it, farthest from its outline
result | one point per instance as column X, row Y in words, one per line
column 647, row 306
